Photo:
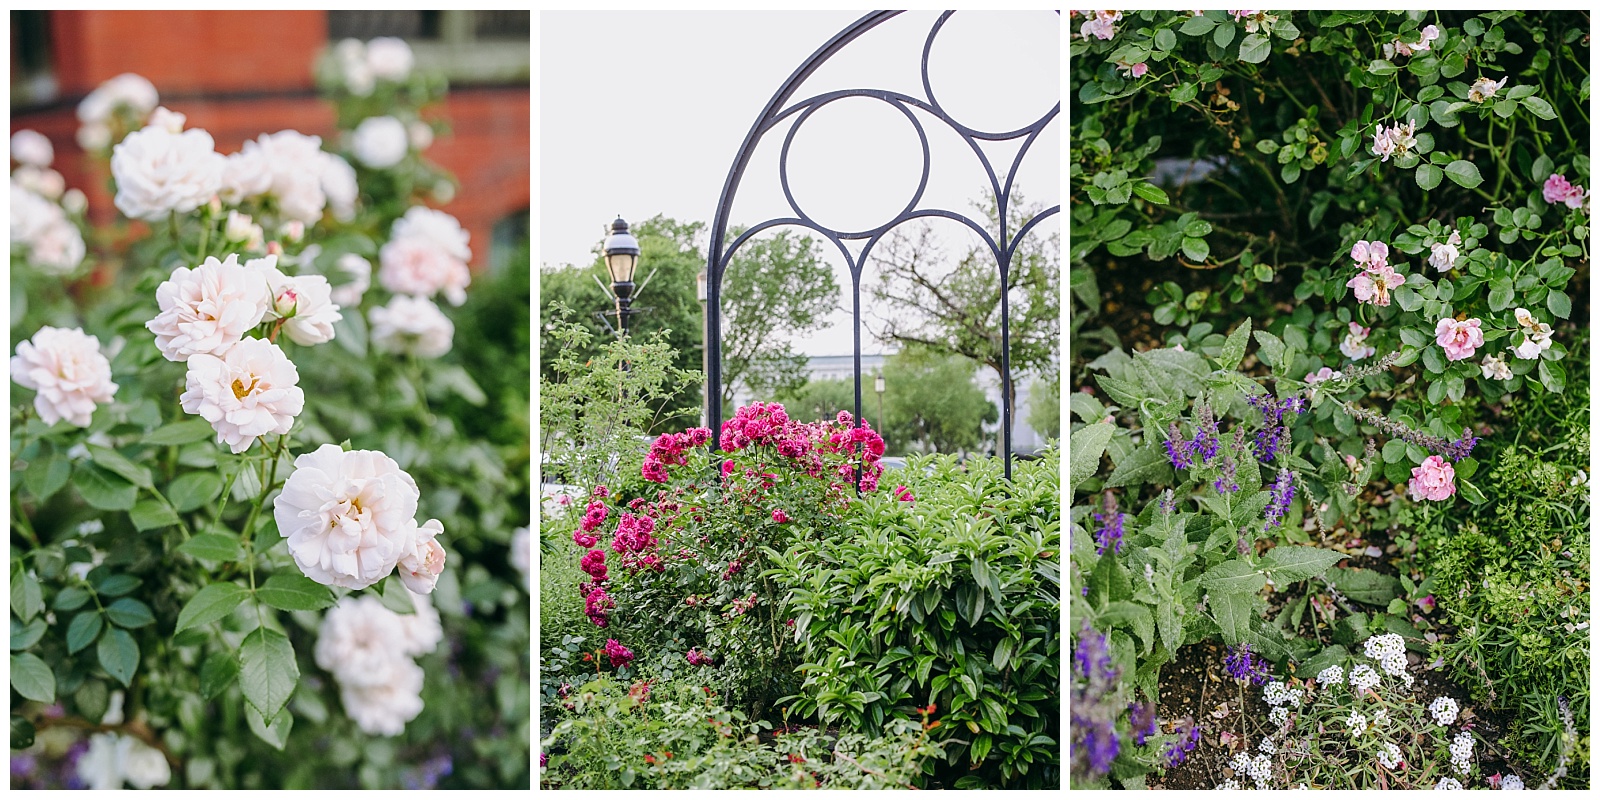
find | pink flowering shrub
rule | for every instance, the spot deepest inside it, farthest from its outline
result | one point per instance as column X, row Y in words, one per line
column 684, row 569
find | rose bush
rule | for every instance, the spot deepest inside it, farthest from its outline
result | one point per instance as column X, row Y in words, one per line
column 259, row 530
column 1398, row 201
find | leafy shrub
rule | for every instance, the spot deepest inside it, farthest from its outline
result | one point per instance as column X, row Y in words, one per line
column 950, row 599
column 677, row 735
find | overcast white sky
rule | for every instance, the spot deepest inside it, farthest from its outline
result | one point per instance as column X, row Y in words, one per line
column 641, row 113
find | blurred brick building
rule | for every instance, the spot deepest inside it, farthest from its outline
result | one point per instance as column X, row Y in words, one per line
column 239, row 74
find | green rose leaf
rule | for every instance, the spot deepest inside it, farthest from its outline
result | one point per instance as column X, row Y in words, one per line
column 289, row 592
column 32, row 678
column 1464, row 173
column 267, row 670
column 215, row 601
column 213, row 547
column 119, row 654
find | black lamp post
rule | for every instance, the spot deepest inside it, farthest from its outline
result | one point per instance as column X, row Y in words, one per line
column 622, row 256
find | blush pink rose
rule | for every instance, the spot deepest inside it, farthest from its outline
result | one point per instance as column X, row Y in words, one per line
column 1459, row 339
column 1434, row 480
column 1373, row 285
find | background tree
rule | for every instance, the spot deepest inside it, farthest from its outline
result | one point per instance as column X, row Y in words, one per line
column 1044, row 406
column 820, row 399
column 925, row 302
column 776, row 288
column 932, row 402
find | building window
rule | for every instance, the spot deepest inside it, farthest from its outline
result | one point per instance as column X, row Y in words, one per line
column 467, row 47
column 33, row 77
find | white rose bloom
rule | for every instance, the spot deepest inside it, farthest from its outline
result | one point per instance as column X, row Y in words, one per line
column 68, row 373
column 359, row 270
column 100, row 767
column 32, row 148
column 380, row 142
column 246, row 174
column 1482, row 89
column 522, row 558
column 411, row 325
column 1537, row 335
column 74, row 201
column 30, row 214
column 241, row 228
column 389, row 58
column 1445, row 253
column 420, row 567
column 59, row 248
column 418, row 266
column 164, row 117
column 207, row 309
column 159, row 172
column 339, row 185
column 297, row 163
column 302, row 301
column 94, row 138
column 384, row 709
column 423, row 631
column 143, row 766
column 250, row 391
column 360, row 640
column 42, row 181
column 1496, row 369
column 421, row 135
column 438, row 227
column 358, row 78
column 348, row 516
column 126, row 90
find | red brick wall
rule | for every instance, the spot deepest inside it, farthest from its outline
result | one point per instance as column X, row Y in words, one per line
column 208, row 66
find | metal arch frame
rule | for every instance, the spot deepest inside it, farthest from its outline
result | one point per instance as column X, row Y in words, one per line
column 775, row 113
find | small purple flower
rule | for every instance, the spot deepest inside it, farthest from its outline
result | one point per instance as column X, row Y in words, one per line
column 1273, row 430
column 1227, row 482
column 1281, row 493
column 1242, row 665
column 1142, row 717
column 1180, row 748
column 1092, row 657
column 1461, row 448
column 1206, row 441
column 1110, row 532
column 1179, row 449
column 1169, row 502
column 1096, row 742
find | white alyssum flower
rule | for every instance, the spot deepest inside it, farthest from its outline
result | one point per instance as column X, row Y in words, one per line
column 1446, row 252
column 1331, row 676
column 209, row 308
column 1384, row 646
column 348, row 516
column 159, row 172
column 1279, row 715
column 1447, row 783
column 1362, row 678
column 1394, row 664
column 32, row 148
column 412, row 325
column 389, row 58
column 1260, row 770
column 358, row 272
column 1495, row 368
column 67, row 372
column 251, row 390
column 128, row 90
column 1444, row 710
column 1267, row 746
column 380, row 142
column 1389, row 755
column 1357, row 722
column 113, row 758
column 521, row 558
column 1228, row 785
column 303, row 302
column 1511, row 783
column 1461, row 752
column 1276, row 693
column 419, row 569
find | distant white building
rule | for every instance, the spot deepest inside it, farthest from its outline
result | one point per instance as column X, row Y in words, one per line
column 1024, row 439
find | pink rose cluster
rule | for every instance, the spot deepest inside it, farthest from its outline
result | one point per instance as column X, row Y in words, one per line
column 1434, row 480
column 594, row 515
column 1101, row 25
column 697, row 658
column 1459, row 338
column 620, row 656
column 811, row 445
column 636, row 543
column 1558, row 190
column 669, row 450
column 1376, row 279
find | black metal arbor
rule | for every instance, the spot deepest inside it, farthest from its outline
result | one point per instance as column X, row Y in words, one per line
column 777, row 110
